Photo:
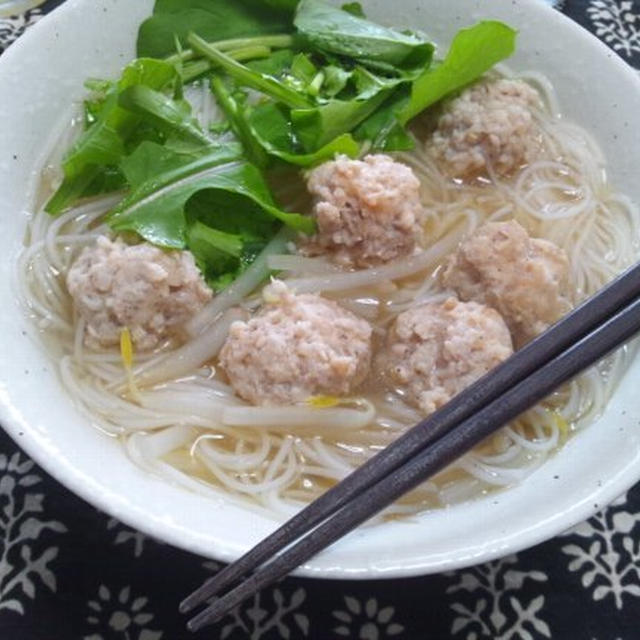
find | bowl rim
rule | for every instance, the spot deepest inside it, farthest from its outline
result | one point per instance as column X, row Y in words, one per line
column 41, row 450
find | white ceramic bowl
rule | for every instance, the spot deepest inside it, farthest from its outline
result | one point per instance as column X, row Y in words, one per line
column 43, row 72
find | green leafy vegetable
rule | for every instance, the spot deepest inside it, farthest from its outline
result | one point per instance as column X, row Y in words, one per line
column 354, row 8
column 212, row 20
column 209, row 238
column 340, row 32
column 216, row 205
column 297, row 83
column 276, row 65
column 191, row 70
column 155, row 209
column 303, row 69
column 103, row 144
column 282, row 5
column 318, row 126
column 246, row 76
column 172, row 117
column 272, row 127
column 382, row 129
column 473, row 52
column 108, row 180
column 156, row 165
column 235, row 45
column 267, row 129
column 220, row 256
column 152, row 73
column 335, row 79
column 234, row 108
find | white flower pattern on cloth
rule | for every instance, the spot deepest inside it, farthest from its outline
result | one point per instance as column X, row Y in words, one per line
column 272, row 610
column 617, row 23
column 124, row 535
column 120, row 616
column 366, row 620
column 607, row 553
column 21, row 526
column 13, row 27
column 494, row 610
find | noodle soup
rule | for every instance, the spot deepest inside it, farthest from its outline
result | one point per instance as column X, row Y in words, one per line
column 174, row 409
column 183, row 421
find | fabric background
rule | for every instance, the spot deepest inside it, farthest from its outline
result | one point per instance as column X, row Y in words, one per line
column 69, row 572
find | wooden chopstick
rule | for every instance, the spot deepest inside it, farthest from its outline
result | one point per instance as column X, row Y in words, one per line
column 526, row 361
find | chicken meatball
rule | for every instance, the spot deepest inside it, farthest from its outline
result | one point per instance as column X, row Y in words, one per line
column 367, row 211
column 524, row 278
column 141, row 287
column 296, row 347
column 490, row 124
column 435, row 350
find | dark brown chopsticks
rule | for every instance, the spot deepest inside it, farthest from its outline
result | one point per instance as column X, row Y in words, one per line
column 583, row 337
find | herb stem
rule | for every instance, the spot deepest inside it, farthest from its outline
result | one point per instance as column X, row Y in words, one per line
column 238, row 122
column 194, row 69
column 218, row 240
column 247, row 77
column 316, row 84
column 279, row 41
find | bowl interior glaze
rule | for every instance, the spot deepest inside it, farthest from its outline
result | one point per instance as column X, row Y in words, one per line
column 40, row 77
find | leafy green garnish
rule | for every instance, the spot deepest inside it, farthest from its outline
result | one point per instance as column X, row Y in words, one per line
column 320, row 125
column 267, row 130
column 354, row 8
column 335, row 79
column 272, row 127
column 297, row 82
column 211, row 202
column 335, row 73
column 234, row 107
column 244, row 75
column 472, row 53
column 103, row 144
column 212, row 20
column 155, row 207
column 382, row 130
column 344, row 32
column 277, row 65
column 221, row 256
column 170, row 116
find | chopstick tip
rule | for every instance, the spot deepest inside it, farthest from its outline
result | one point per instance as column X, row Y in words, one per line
column 206, row 617
column 186, row 605
column 194, row 626
column 202, row 595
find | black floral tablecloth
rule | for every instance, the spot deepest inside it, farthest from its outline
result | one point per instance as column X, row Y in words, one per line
column 69, row 572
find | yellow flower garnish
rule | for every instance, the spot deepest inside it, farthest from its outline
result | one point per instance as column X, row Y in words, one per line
column 562, row 424
column 323, row 402
column 126, row 352
column 126, row 348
